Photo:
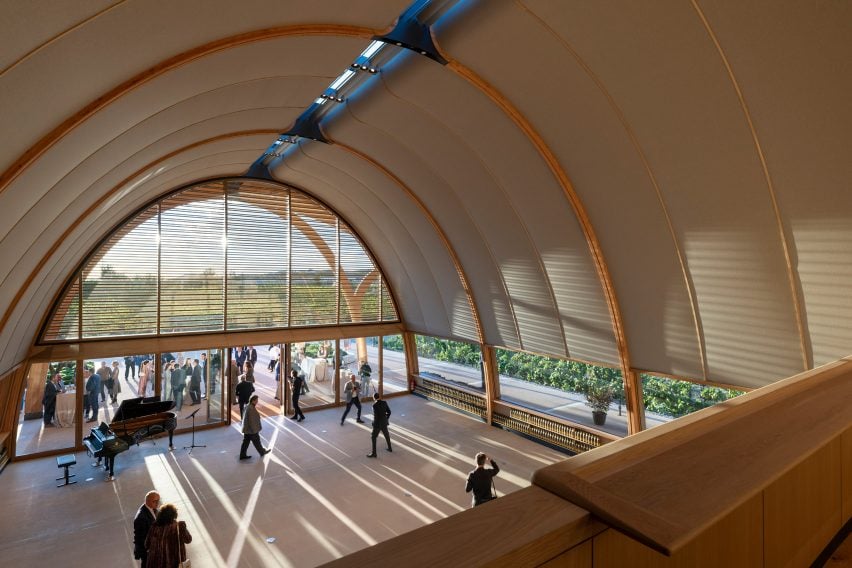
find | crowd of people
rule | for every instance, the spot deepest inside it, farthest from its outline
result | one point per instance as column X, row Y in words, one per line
column 160, row 539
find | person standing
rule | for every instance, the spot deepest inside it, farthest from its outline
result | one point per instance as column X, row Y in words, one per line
column 241, row 358
column 129, row 367
column 168, row 367
column 104, row 374
column 296, row 382
column 178, row 383
column 195, row 382
column 381, row 419
column 145, row 517
column 51, row 389
column 481, row 480
column 93, row 387
column 251, row 429
column 87, row 402
column 365, row 371
column 251, row 355
column 352, row 391
column 274, row 354
column 166, row 539
column 205, row 375
column 115, row 383
column 144, row 375
column 244, row 391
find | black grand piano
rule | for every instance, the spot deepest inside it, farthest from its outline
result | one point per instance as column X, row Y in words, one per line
column 135, row 420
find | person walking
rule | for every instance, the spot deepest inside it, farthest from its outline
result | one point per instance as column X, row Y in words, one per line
column 167, row 539
column 251, row 430
column 481, row 480
column 145, row 517
column 296, row 382
column 244, row 391
column 195, row 382
column 381, row 419
column 274, row 354
column 352, row 391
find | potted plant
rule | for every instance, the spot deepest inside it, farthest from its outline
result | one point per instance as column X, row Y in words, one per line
column 599, row 397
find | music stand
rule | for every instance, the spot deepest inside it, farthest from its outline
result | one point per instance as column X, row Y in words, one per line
column 193, row 444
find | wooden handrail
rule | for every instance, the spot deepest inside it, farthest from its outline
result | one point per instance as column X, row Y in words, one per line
column 525, row 528
column 667, row 485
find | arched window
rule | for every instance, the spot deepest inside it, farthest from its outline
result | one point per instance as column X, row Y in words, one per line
column 224, row 255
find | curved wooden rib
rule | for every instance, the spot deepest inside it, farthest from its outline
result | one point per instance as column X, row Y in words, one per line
column 633, row 390
column 39, row 148
column 792, row 280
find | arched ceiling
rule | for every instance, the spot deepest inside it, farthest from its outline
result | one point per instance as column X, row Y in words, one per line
column 657, row 186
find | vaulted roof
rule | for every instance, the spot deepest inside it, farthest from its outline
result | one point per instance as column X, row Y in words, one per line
column 662, row 186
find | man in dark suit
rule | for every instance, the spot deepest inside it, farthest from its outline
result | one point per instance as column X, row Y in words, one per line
column 296, row 382
column 195, row 383
column 93, row 386
column 142, row 522
column 381, row 418
column 251, row 355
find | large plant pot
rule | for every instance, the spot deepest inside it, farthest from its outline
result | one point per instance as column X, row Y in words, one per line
column 599, row 417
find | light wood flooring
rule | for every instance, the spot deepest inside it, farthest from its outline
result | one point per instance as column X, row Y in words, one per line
column 315, row 498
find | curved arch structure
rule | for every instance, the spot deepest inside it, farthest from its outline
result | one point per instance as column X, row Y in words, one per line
column 659, row 188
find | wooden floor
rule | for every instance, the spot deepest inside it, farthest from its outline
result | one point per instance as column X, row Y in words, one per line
column 315, row 498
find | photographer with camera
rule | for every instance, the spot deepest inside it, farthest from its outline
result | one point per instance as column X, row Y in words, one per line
column 481, row 480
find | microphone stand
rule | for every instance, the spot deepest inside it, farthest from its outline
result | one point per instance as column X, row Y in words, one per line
column 193, row 444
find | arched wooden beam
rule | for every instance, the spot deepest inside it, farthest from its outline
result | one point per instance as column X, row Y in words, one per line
column 48, row 140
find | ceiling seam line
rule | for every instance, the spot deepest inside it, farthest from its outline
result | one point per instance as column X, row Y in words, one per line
column 792, row 280
column 57, row 37
column 685, row 272
column 37, row 150
column 540, row 261
column 568, row 189
column 427, row 213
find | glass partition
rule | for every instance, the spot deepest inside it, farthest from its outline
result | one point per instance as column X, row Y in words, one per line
column 360, row 356
column 315, row 361
column 454, row 361
column 394, row 374
column 582, row 393
column 196, row 382
column 666, row 399
column 48, row 414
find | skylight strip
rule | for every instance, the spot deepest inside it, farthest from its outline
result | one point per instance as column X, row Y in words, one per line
column 342, row 80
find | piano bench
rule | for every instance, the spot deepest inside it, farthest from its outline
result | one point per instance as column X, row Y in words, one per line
column 66, row 462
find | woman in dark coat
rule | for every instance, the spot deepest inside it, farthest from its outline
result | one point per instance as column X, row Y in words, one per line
column 167, row 539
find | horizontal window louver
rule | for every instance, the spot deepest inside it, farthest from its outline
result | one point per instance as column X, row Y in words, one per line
column 359, row 281
column 388, row 309
column 313, row 290
column 192, row 260
column 120, row 282
column 223, row 255
column 64, row 323
column 258, row 267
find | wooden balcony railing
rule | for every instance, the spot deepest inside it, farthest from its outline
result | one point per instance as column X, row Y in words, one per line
column 761, row 480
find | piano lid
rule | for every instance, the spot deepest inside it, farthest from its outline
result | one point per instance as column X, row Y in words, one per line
column 136, row 407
